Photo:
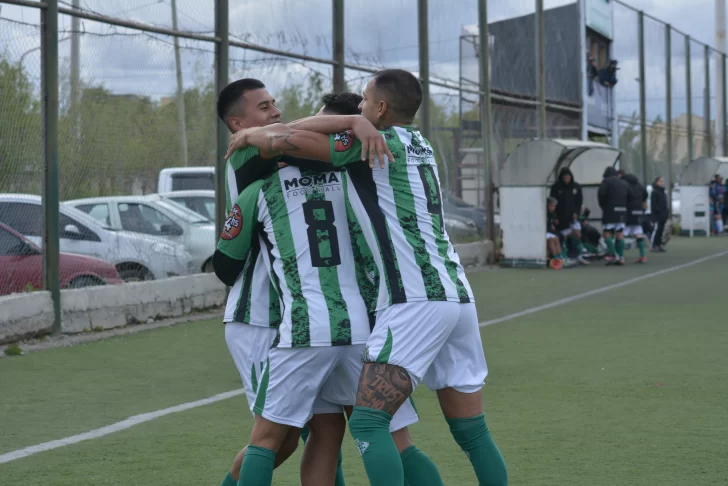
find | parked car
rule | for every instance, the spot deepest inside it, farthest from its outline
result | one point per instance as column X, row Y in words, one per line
column 21, row 266
column 136, row 257
column 458, row 227
column 157, row 218
column 186, row 178
column 201, row 202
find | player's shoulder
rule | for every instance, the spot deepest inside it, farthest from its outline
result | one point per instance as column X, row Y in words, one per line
column 242, row 156
column 250, row 192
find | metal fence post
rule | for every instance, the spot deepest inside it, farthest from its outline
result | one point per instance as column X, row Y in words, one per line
column 723, row 134
column 51, row 195
column 584, row 91
column 708, row 137
column 338, row 38
column 424, row 48
column 643, row 96
column 541, row 68
column 668, row 109
column 222, row 57
column 689, row 94
column 485, row 117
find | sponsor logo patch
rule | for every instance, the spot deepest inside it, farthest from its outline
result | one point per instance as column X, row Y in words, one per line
column 233, row 224
column 343, row 141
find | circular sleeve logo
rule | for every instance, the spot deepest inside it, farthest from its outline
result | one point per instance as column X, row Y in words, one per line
column 233, row 224
column 343, row 141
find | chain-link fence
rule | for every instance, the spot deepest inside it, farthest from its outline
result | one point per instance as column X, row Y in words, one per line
column 137, row 83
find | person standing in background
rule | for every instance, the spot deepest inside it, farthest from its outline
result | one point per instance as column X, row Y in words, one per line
column 660, row 213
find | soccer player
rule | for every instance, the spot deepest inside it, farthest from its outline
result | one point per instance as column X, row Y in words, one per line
column 553, row 243
column 614, row 196
column 567, row 193
column 635, row 213
column 253, row 312
column 427, row 326
column 415, row 462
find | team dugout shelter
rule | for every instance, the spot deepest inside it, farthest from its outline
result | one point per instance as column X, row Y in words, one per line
column 524, row 181
column 695, row 178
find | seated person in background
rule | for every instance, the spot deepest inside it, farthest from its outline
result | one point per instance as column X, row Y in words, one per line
column 553, row 244
column 590, row 236
column 569, row 198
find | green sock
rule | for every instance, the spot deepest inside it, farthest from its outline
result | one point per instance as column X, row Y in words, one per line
column 419, row 469
column 577, row 245
column 620, row 248
column 641, row 246
column 474, row 438
column 339, row 472
column 370, row 429
column 229, row 480
column 610, row 245
column 257, row 469
column 564, row 252
column 591, row 248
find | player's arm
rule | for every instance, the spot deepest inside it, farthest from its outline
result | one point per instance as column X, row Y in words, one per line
column 281, row 139
column 237, row 236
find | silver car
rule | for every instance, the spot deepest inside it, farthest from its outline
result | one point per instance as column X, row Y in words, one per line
column 159, row 218
column 136, row 257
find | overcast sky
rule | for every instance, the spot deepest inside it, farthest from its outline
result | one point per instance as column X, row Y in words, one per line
column 378, row 33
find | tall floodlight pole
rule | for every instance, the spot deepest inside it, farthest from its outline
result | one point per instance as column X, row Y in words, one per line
column 181, row 123
column 222, row 135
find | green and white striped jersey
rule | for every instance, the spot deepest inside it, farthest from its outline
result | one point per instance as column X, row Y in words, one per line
column 253, row 299
column 301, row 219
column 402, row 204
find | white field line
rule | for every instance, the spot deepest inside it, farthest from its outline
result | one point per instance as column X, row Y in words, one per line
column 146, row 417
column 600, row 290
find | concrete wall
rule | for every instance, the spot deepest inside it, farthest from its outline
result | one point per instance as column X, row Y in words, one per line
column 83, row 310
column 23, row 315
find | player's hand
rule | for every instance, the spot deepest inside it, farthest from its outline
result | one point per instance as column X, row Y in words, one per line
column 239, row 140
column 373, row 145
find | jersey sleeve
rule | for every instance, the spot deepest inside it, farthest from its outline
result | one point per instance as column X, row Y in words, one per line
column 345, row 148
column 244, row 167
column 239, row 229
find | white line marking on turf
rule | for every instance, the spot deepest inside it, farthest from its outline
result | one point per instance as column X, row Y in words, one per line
column 600, row 290
column 146, row 417
column 110, row 429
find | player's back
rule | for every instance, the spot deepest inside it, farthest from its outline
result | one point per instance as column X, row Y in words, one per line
column 306, row 233
column 404, row 203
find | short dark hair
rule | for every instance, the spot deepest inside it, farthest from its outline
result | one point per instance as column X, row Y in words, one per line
column 342, row 103
column 402, row 91
column 232, row 93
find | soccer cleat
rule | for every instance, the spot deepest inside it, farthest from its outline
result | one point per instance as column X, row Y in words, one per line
column 582, row 260
column 619, row 262
column 641, row 260
column 610, row 260
column 556, row 264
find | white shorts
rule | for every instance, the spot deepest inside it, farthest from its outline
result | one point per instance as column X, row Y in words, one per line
column 575, row 226
column 614, row 227
column 550, row 236
column 438, row 343
column 249, row 347
column 634, row 230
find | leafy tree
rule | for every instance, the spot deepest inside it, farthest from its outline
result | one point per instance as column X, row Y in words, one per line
column 21, row 142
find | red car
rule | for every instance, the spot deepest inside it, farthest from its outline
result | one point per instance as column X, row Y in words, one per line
column 21, row 266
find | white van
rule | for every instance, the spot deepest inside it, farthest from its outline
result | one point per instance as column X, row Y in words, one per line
column 186, row 178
